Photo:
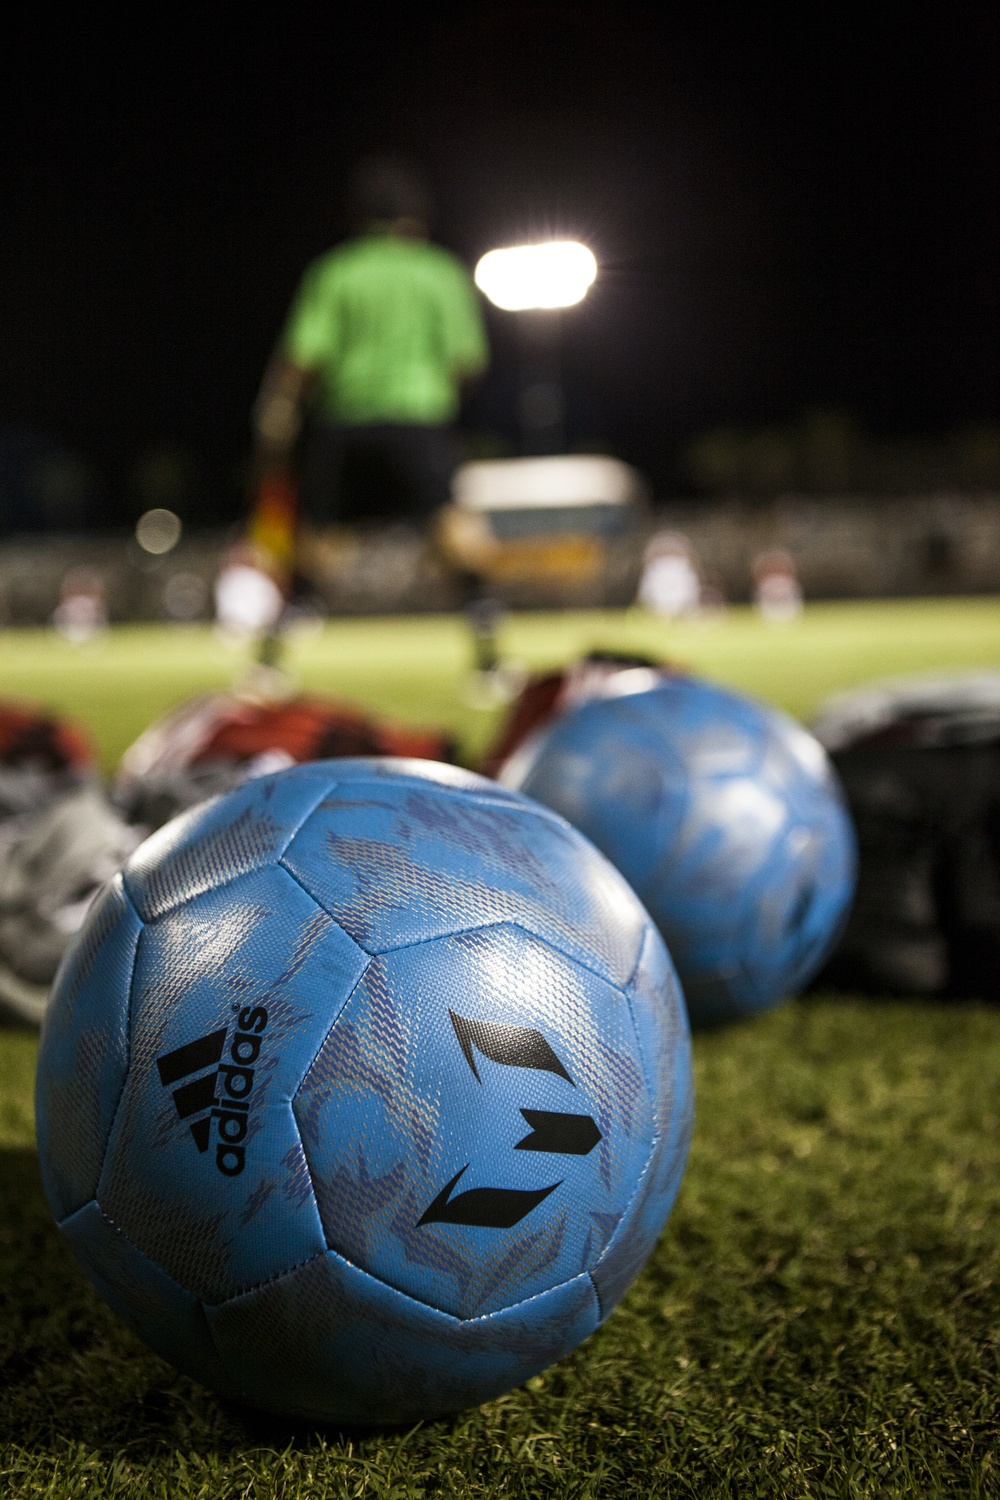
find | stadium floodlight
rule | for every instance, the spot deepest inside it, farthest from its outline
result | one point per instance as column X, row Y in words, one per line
column 522, row 277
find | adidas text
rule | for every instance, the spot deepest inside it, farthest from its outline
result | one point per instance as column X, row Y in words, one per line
column 199, row 1098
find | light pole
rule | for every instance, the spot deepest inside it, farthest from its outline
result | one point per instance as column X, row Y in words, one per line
column 535, row 282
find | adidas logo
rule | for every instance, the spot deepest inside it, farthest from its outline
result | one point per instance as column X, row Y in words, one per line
column 198, row 1097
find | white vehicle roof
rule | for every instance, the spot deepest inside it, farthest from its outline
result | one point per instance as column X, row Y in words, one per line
column 546, row 483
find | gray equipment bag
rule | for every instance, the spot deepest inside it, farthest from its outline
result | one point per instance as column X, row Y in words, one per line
column 52, row 864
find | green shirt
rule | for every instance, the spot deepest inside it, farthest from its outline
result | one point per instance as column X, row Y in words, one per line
column 391, row 324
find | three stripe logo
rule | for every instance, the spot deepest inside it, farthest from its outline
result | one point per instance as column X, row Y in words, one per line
column 199, row 1101
column 198, row 1096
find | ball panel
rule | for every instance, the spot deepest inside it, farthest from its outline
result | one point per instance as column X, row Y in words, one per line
column 84, row 1051
column 396, row 863
column 548, row 1129
column 577, row 767
column 664, row 1040
column 660, row 1018
column 764, row 867
column 726, row 818
column 170, row 1319
column 233, row 993
column 399, row 770
column 222, row 839
column 330, row 1342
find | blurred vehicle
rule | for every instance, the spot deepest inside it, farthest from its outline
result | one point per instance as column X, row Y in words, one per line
column 530, row 527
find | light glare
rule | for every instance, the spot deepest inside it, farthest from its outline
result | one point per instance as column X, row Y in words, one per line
column 158, row 531
column 557, row 274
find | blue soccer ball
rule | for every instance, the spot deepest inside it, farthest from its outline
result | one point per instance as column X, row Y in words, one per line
column 365, row 1091
column 726, row 818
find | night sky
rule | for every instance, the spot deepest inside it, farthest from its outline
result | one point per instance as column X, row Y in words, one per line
column 789, row 206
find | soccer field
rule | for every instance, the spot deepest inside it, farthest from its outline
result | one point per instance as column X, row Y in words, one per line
column 822, row 1315
column 417, row 668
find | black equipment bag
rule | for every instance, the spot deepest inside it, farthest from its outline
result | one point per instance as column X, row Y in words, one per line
column 920, row 763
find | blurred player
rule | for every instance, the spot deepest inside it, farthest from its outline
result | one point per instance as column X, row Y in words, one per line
column 669, row 585
column 777, row 592
column 382, row 333
column 82, row 611
column 248, row 602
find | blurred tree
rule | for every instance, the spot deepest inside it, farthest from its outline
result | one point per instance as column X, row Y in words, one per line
column 770, row 461
column 712, row 461
column 977, row 453
column 826, row 453
column 165, row 476
column 830, row 450
column 44, row 486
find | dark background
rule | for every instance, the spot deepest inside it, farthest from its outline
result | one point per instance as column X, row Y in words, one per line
column 790, row 207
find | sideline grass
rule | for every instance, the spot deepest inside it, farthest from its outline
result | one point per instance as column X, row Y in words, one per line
column 822, row 1316
column 417, row 667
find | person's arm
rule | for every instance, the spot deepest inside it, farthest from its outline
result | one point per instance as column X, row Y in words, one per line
column 466, row 347
column 280, row 405
column 293, row 371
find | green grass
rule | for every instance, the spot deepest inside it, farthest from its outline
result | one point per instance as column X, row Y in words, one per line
column 822, row 1316
column 417, row 668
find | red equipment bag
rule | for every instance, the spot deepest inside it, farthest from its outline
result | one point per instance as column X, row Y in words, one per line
column 600, row 674
column 218, row 741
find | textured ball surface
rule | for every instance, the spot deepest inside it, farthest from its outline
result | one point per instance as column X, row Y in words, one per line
column 727, row 820
column 365, row 1091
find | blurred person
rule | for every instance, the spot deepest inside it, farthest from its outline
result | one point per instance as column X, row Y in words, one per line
column 383, row 331
column 82, row 611
column 669, row 584
column 248, row 602
column 777, row 592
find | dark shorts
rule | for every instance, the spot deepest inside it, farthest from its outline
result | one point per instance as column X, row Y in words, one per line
column 378, row 472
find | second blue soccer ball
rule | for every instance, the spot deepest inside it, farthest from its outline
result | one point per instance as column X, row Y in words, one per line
column 727, row 820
